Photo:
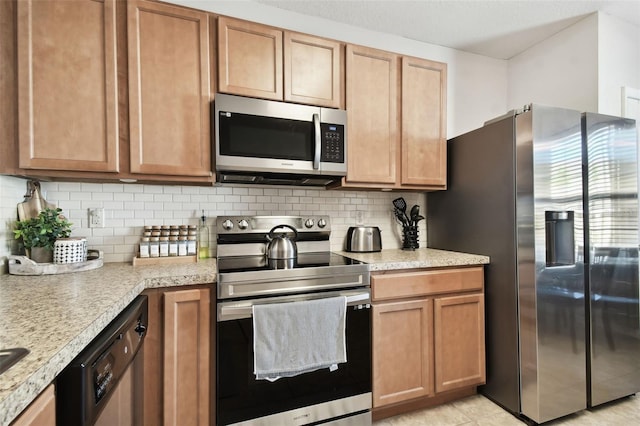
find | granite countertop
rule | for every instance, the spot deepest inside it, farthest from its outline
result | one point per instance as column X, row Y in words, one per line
column 387, row 260
column 56, row 316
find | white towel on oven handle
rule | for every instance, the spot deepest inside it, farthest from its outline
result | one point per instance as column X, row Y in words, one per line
column 298, row 337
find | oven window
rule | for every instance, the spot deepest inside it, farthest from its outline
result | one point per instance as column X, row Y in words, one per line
column 240, row 397
column 245, row 135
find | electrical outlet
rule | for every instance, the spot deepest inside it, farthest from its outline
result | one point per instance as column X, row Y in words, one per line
column 359, row 217
column 96, row 218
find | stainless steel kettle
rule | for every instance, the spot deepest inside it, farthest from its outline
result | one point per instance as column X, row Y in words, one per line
column 280, row 246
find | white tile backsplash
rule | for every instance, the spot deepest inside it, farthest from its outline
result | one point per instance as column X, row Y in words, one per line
column 129, row 207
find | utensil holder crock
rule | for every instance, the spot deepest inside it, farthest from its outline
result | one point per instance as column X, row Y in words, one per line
column 410, row 238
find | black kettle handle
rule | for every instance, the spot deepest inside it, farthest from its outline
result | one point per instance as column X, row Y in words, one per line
column 295, row 231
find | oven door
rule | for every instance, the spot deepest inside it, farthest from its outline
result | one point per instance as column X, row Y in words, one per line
column 340, row 397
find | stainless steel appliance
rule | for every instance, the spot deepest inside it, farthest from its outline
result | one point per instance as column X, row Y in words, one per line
column 363, row 239
column 551, row 196
column 269, row 142
column 247, row 277
column 103, row 385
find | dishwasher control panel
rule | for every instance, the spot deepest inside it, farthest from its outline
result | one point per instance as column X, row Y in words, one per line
column 82, row 389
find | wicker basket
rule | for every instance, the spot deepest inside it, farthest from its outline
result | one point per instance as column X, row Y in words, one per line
column 70, row 250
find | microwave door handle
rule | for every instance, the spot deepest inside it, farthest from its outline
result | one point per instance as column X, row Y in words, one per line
column 318, row 140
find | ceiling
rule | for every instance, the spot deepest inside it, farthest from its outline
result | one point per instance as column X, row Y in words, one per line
column 495, row 28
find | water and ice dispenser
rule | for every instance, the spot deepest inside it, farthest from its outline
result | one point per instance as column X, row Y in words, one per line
column 559, row 238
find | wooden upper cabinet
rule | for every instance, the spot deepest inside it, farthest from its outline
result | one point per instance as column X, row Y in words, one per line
column 372, row 100
column 397, row 121
column 312, row 70
column 169, row 94
column 424, row 144
column 67, row 94
column 264, row 62
column 249, row 59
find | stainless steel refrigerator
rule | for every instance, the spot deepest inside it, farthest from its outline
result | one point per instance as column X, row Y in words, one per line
column 550, row 195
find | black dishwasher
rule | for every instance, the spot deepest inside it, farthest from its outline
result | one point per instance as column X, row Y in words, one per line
column 103, row 385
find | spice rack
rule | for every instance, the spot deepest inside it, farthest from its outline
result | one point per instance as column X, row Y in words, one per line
column 142, row 261
column 167, row 244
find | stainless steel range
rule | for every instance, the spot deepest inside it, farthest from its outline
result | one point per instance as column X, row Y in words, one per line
column 282, row 262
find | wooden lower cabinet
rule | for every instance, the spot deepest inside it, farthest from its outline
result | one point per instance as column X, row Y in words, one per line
column 428, row 337
column 459, row 341
column 41, row 412
column 402, row 338
column 177, row 355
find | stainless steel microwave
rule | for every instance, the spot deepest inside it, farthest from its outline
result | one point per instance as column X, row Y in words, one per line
column 270, row 142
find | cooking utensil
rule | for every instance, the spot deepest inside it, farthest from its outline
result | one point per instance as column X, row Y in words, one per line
column 33, row 202
column 281, row 246
column 415, row 212
column 401, row 217
column 401, row 205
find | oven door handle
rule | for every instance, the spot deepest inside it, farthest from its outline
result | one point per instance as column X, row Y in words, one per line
column 244, row 309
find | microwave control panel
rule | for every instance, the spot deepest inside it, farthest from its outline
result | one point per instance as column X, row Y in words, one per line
column 333, row 145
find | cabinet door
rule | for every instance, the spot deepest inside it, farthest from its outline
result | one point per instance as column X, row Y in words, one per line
column 459, row 342
column 312, row 70
column 402, row 351
column 168, row 90
column 424, row 144
column 249, row 59
column 186, row 357
column 67, row 94
column 372, row 86
column 41, row 412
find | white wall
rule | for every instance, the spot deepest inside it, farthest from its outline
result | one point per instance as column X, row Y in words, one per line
column 476, row 89
column 618, row 61
column 560, row 71
column 582, row 67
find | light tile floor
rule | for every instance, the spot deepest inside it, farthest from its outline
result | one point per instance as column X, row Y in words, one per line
column 478, row 410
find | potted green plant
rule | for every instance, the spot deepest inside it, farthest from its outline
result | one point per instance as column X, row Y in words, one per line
column 40, row 233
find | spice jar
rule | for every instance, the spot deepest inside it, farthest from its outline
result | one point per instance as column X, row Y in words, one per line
column 191, row 245
column 173, row 246
column 182, row 246
column 154, row 247
column 164, row 246
column 144, row 247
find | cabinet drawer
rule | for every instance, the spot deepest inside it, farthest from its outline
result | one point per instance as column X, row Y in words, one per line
column 423, row 283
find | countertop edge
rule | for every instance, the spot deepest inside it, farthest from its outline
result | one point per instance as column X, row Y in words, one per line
column 389, row 260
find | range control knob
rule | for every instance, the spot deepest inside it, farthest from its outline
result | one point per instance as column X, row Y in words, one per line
column 227, row 225
column 243, row 224
column 322, row 223
column 308, row 223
